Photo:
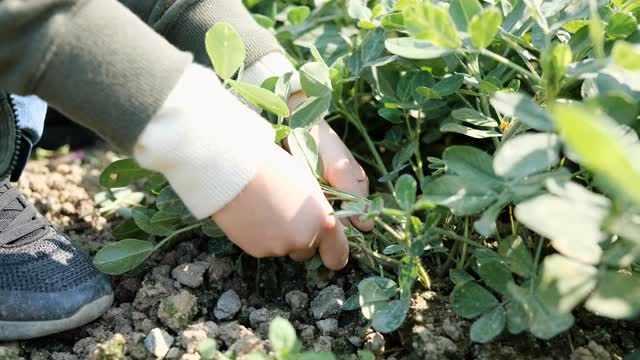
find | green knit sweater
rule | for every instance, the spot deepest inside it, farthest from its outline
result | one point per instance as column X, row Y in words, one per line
column 101, row 62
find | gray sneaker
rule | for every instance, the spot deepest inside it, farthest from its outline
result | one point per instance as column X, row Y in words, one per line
column 46, row 284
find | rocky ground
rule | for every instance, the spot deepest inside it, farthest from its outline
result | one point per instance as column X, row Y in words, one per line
column 185, row 295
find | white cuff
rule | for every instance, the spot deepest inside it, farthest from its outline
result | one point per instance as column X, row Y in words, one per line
column 205, row 142
column 270, row 65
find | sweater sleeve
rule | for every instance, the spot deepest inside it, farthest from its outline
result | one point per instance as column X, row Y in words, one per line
column 185, row 22
column 91, row 59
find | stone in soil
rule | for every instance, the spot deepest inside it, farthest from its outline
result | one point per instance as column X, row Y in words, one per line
column 158, row 342
column 246, row 345
column 593, row 351
column 177, row 311
column 375, row 343
column 297, row 299
column 328, row 303
column 219, row 269
column 232, row 332
column 323, row 344
column 430, row 346
column 228, row 305
column 191, row 274
column 112, row 349
column 194, row 334
column 327, row 326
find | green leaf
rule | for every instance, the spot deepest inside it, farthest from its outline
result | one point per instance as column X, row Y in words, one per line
column 303, row 146
column 352, row 303
column 207, row 348
column 473, row 117
column 449, row 85
column 625, row 55
column 522, row 107
column 394, row 116
column 458, row 276
column 405, row 154
column 298, row 14
column 516, row 256
column 169, row 202
column 544, row 322
column 621, row 25
column 484, row 27
column 282, row 131
column 127, row 230
column 372, row 292
column 495, row 275
column 155, row 183
column 488, row 326
column 393, row 21
column 555, row 61
column 118, row 258
column 142, row 217
column 225, row 48
column 122, row 173
column 470, row 162
column 570, row 217
column 593, row 137
column 218, row 245
column 212, row 230
column 527, row 154
column 263, row 98
column 462, row 196
column 282, row 336
column 411, row 48
column 310, row 112
column 564, row 283
column 406, row 192
column 264, row 21
column 461, row 11
column 468, row 131
column 430, row 22
column 165, row 218
column 617, row 295
column 517, row 318
column 389, row 316
column 428, row 94
column 315, row 79
column 470, row 300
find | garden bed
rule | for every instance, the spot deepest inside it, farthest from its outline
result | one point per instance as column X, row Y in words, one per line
column 189, row 281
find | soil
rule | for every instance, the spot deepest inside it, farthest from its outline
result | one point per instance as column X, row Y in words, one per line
column 176, row 300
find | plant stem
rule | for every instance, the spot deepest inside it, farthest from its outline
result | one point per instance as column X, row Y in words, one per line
column 464, row 245
column 454, row 236
column 390, row 230
column 375, row 254
column 511, row 64
column 178, row 232
column 355, row 120
column 535, row 263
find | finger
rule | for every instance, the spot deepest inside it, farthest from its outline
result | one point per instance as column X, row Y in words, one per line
column 342, row 170
column 303, row 255
column 334, row 247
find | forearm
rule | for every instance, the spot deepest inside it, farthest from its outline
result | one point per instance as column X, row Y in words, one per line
column 185, row 22
column 91, row 59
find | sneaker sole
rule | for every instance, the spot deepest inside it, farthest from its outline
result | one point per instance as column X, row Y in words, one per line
column 23, row 330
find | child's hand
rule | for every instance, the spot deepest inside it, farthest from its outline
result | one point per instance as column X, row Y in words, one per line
column 341, row 169
column 282, row 211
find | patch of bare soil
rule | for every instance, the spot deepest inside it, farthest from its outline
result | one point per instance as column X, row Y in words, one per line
column 185, row 294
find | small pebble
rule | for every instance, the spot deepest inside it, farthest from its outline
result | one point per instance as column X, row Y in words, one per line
column 228, row 305
column 158, row 342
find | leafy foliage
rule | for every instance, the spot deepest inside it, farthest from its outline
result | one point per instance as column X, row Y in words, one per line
column 503, row 137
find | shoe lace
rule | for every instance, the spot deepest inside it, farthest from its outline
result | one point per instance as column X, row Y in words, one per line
column 27, row 221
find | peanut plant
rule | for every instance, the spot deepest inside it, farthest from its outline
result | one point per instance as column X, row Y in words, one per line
column 501, row 137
